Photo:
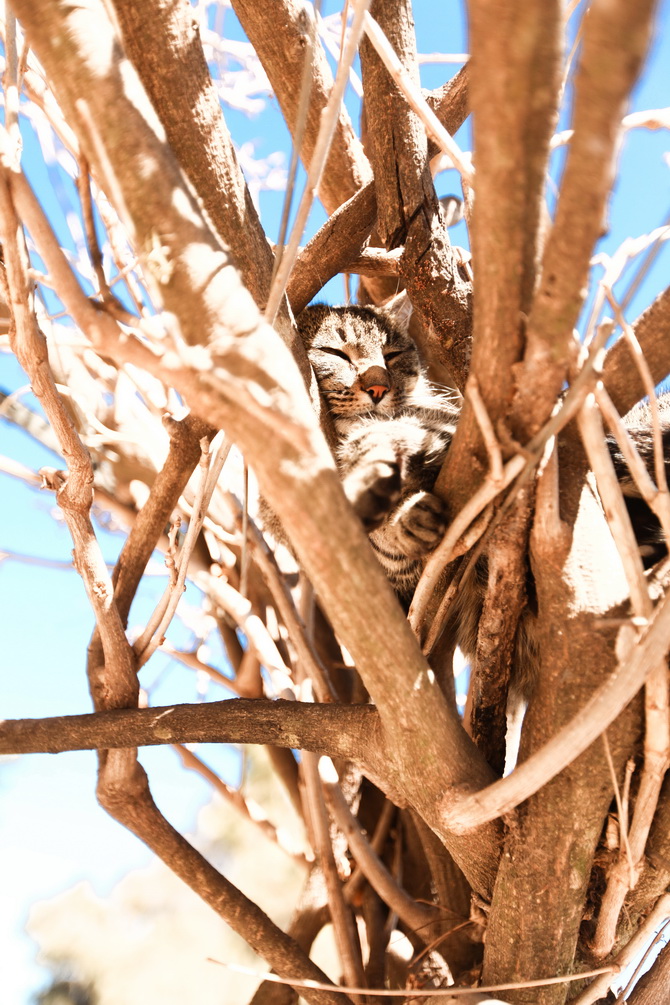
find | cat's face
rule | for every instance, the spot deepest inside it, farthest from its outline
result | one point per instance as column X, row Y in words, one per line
column 364, row 363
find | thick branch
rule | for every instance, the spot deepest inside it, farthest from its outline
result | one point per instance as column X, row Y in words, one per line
column 621, row 378
column 562, row 822
column 515, row 79
column 162, row 40
column 616, row 36
column 343, row 236
column 408, row 211
column 351, row 732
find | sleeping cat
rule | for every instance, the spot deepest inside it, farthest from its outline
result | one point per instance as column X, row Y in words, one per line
column 394, row 429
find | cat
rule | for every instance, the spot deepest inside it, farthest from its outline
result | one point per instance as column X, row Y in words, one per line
column 393, row 430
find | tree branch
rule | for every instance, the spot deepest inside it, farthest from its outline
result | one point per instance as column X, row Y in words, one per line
column 162, row 40
column 622, row 381
column 654, row 984
column 515, row 77
column 351, row 732
column 408, row 211
column 343, row 237
column 615, row 40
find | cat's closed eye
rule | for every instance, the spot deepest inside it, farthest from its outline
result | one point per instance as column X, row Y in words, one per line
column 335, row 352
column 388, row 356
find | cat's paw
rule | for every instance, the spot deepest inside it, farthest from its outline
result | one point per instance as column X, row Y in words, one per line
column 419, row 524
column 373, row 489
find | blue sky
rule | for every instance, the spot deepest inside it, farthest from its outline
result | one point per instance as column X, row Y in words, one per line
column 52, row 832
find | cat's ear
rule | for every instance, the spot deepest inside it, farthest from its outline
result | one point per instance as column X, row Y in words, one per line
column 399, row 309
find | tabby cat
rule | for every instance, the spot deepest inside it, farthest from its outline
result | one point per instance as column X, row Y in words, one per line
column 394, row 429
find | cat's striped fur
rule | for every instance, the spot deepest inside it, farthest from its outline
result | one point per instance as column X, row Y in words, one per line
column 393, row 431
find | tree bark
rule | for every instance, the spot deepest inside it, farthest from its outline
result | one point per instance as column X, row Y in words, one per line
column 620, row 375
column 616, row 38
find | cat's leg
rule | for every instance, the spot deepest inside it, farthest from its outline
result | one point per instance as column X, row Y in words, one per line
column 373, row 485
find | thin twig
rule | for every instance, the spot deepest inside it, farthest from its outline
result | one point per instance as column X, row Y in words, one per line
column 421, row 918
column 650, row 390
column 623, row 815
column 298, row 134
column 11, row 87
column 346, row 937
column 95, row 254
column 644, row 266
column 258, row 637
column 376, row 842
column 191, row 661
column 486, row 428
column 623, row 994
column 74, row 488
column 244, row 557
column 408, row 995
column 593, row 438
column 154, row 633
column 658, row 502
column 307, row 656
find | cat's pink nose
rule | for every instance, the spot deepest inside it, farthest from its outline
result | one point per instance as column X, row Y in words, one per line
column 376, row 382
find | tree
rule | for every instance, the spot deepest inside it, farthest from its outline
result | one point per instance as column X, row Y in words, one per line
column 445, row 849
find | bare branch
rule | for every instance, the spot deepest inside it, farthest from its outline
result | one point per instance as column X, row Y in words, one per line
column 415, row 99
column 653, row 985
column 346, row 935
column 616, row 37
column 599, row 987
column 115, row 683
column 422, row 918
column 347, row 731
column 408, row 212
column 247, row 808
column 625, row 388
column 515, row 73
column 160, row 40
column 317, row 164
